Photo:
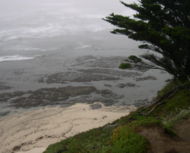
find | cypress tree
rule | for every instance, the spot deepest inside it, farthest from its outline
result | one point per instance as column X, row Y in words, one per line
column 163, row 26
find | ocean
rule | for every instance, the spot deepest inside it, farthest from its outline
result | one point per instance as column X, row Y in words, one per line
column 57, row 47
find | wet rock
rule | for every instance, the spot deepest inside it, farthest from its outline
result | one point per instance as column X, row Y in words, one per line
column 129, row 85
column 4, row 97
column 62, row 96
column 4, row 113
column 111, row 72
column 100, row 62
column 96, row 106
column 47, row 96
column 109, row 94
column 76, row 77
column 3, row 86
column 146, row 78
column 108, row 85
column 89, row 68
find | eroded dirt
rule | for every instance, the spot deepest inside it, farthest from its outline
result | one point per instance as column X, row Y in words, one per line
column 163, row 143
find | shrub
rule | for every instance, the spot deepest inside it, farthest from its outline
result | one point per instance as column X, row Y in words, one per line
column 135, row 59
column 125, row 66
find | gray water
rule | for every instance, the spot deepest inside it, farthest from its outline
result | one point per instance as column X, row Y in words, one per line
column 50, row 43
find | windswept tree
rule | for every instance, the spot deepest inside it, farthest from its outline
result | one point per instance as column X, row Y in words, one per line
column 163, row 26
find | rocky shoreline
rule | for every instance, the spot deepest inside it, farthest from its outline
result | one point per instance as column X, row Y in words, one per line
column 88, row 79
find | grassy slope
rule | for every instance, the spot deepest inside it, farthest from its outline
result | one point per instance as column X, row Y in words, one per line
column 122, row 136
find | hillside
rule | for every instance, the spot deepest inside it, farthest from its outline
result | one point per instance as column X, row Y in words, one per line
column 162, row 127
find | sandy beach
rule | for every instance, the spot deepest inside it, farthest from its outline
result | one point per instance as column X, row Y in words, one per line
column 32, row 131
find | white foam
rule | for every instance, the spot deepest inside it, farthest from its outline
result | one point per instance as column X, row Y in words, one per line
column 15, row 58
column 83, row 46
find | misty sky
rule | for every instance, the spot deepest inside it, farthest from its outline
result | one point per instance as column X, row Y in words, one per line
column 31, row 27
column 34, row 17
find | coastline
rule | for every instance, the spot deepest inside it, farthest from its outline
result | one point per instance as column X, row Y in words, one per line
column 32, row 131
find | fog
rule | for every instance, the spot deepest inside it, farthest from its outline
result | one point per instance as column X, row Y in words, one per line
column 28, row 27
column 56, row 43
column 67, row 16
column 24, row 23
column 44, row 34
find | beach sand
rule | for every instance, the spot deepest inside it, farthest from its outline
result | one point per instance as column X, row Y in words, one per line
column 32, row 131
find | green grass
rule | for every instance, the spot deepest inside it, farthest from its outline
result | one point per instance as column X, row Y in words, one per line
column 123, row 140
column 109, row 139
column 144, row 121
column 93, row 141
column 103, row 140
column 171, row 85
column 174, row 105
column 125, row 66
column 171, row 121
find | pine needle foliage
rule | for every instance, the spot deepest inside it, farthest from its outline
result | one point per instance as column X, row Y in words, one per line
column 163, row 26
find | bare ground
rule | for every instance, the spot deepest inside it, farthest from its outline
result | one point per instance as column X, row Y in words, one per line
column 163, row 143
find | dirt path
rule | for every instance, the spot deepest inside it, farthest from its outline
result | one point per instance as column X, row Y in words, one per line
column 162, row 143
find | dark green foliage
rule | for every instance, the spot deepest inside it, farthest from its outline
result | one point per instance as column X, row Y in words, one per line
column 174, row 104
column 125, row 66
column 135, row 59
column 164, row 27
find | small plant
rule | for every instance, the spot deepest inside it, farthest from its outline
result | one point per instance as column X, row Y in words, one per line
column 145, row 122
column 125, row 66
column 183, row 114
column 135, row 59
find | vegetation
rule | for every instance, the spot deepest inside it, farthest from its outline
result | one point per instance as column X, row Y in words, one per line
column 123, row 141
column 130, row 62
column 135, row 59
column 94, row 141
column 176, row 103
column 125, row 66
column 183, row 114
column 123, row 136
column 107, row 139
column 164, row 28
